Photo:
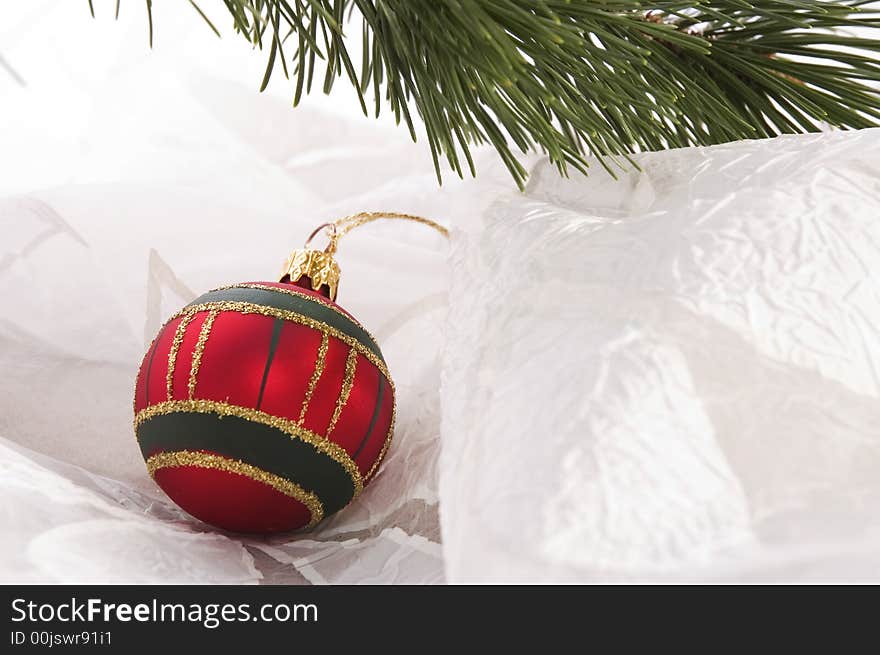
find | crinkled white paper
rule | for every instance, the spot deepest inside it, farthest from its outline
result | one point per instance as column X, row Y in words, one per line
column 672, row 376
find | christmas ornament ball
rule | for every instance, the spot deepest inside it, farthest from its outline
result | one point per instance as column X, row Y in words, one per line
column 263, row 406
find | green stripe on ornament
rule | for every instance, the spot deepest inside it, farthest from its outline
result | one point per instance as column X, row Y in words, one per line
column 260, row 445
column 314, row 309
column 376, row 408
column 273, row 345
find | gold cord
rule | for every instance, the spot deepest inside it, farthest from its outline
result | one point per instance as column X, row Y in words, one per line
column 342, row 226
column 319, row 266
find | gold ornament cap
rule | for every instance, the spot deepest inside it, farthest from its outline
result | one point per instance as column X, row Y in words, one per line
column 318, row 266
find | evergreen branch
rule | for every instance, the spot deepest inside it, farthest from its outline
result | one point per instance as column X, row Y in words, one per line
column 607, row 77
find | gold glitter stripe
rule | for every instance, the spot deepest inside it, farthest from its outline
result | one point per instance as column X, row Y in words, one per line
column 251, row 308
column 387, row 443
column 347, row 382
column 219, row 463
column 175, row 346
column 197, row 353
column 334, row 451
column 299, row 294
column 320, row 361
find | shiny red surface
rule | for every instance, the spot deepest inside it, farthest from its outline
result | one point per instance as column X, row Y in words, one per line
column 231, row 501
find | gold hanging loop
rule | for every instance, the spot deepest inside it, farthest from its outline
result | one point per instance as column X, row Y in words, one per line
column 319, row 266
column 348, row 223
column 333, row 237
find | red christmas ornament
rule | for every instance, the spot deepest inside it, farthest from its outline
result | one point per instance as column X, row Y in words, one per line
column 265, row 406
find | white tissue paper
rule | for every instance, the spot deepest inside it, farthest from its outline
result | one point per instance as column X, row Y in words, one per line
column 670, row 377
